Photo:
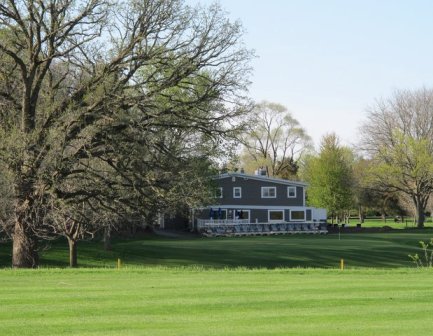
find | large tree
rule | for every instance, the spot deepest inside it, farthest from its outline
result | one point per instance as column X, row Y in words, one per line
column 274, row 139
column 398, row 136
column 93, row 85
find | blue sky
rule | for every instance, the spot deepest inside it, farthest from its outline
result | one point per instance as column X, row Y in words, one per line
column 328, row 60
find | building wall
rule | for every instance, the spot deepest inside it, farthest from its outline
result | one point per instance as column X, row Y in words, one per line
column 252, row 192
column 251, row 200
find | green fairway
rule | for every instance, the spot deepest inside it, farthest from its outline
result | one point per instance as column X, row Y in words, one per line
column 323, row 251
column 385, row 250
column 156, row 301
column 224, row 286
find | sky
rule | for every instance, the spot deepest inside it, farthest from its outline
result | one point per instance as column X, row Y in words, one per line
column 327, row 61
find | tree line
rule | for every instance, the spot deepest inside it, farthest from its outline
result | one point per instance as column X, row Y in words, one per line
column 112, row 111
column 390, row 169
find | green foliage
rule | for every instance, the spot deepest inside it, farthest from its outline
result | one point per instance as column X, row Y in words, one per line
column 409, row 159
column 330, row 177
column 406, row 168
column 426, row 259
column 398, row 136
column 113, row 125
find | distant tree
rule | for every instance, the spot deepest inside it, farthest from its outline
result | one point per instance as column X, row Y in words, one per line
column 330, row 177
column 368, row 195
column 398, row 136
column 274, row 139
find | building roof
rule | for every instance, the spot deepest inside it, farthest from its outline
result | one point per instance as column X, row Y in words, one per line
column 261, row 178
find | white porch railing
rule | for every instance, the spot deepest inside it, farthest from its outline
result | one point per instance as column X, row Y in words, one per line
column 242, row 227
column 216, row 222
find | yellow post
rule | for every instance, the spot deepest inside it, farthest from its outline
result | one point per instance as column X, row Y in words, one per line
column 342, row 264
column 119, row 263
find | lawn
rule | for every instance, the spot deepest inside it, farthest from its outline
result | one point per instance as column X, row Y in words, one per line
column 224, row 286
column 406, row 223
column 186, row 301
column 384, row 250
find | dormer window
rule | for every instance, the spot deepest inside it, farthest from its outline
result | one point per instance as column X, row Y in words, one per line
column 237, row 192
column 291, row 192
column 269, row 192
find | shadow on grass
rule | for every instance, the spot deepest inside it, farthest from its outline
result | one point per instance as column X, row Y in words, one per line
column 384, row 250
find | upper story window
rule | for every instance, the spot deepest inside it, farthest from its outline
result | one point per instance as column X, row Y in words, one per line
column 219, row 193
column 269, row 192
column 291, row 192
column 237, row 192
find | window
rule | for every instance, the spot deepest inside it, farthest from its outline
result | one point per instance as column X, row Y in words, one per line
column 269, row 192
column 291, row 192
column 245, row 214
column 237, row 192
column 242, row 214
column 275, row 215
column 218, row 213
column 221, row 214
column 219, row 193
column 297, row 215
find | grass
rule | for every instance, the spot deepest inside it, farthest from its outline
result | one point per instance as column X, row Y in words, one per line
column 186, row 301
column 224, row 286
column 407, row 223
column 384, row 250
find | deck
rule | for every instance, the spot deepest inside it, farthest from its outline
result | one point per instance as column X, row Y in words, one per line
column 242, row 227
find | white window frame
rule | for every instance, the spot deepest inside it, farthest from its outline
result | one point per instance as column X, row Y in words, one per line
column 249, row 214
column 275, row 194
column 275, row 220
column 298, row 220
column 220, row 192
column 223, row 213
column 234, row 192
column 288, row 192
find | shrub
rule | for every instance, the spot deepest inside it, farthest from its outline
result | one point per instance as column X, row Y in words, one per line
column 426, row 260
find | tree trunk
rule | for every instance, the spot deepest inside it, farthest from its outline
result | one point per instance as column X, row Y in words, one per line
column 107, row 239
column 361, row 215
column 73, row 260
column 420, row 216
column 24, row 249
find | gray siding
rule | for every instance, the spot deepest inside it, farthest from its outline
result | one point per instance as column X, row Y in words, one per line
column 251, row 193
column 308, row 215
column 260, row 215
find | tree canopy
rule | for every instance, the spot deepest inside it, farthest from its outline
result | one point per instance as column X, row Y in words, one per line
column 273, row 139
column 330, row 176
column 104, row 104
column 398, row 136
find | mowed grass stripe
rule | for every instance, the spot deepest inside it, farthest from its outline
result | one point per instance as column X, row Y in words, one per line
column 211, row 302
column 385, row 250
